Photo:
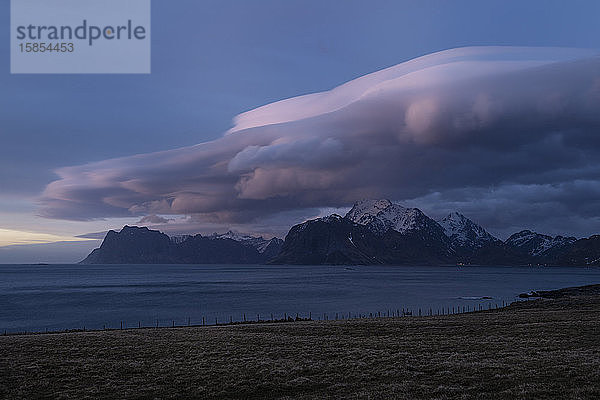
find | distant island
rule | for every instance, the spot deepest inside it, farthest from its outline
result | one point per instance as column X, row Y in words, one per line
column 135, row 245
column 373, row 232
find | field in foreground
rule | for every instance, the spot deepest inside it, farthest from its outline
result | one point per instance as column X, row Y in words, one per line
column 543, row 349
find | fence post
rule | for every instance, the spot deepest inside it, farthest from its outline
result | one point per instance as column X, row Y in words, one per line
column 244, row 317
column 121, row 325
column 419, row 312
column 203, row 321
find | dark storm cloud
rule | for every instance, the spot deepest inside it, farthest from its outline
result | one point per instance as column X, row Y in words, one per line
column 568, row 208
column 517, row 126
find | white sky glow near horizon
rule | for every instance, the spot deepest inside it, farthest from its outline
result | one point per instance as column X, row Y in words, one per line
column 10, row 237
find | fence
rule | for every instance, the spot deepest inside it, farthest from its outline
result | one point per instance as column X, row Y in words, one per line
column 286, row 318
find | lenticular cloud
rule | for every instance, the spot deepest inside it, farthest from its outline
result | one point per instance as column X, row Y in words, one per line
column 463, row 120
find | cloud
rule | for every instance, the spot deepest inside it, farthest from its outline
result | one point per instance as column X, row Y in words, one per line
column 470, row 120
column 93, row 235
column 153, row 219
column 568, row 208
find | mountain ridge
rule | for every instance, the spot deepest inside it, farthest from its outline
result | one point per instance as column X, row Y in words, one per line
column 373, row 232
column 140, row 245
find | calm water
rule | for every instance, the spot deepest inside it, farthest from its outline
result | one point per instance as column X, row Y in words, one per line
column 35, row 298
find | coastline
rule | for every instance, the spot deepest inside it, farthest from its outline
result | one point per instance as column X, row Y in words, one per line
column 545, row 348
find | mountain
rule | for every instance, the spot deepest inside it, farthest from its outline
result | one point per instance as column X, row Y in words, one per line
column 382, row 215
column 464, row 233
column 134, row 245
column 582, row 252
column 372, row 232
column 381, row 232
column 540, row 247
column 328, row 240
column 269, row 248
column 200, row 249
column 473, row 244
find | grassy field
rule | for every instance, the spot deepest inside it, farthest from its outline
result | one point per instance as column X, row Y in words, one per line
column 543, row 349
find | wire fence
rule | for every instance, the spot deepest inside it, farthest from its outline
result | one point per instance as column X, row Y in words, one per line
column 282, row 318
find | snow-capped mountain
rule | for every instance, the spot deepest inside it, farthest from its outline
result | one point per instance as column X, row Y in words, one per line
column 372, row 232
column 537, row 245
column 473, row 244
column 233, row 235
column 465, row 233
column 381, row 215
column 259, row 243
column 365, row 211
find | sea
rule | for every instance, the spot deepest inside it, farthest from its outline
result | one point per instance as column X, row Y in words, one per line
column 40, row 298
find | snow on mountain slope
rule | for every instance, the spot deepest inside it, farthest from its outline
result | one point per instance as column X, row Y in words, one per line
column 536, row 244
column 238, row 237
column 366, row 211
column 463, row 232
column 258, row 242
column 381, row 215
column 180, row 238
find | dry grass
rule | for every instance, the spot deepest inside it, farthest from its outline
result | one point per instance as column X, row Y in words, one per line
column 545, row 349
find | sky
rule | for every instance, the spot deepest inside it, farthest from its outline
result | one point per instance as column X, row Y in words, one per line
column 505, row 135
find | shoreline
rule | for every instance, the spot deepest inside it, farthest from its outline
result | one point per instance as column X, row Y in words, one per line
column 395, row 314
column 544, row 349
column 587, row 290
